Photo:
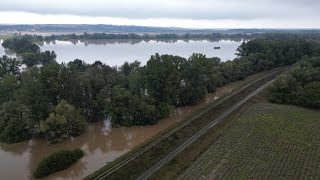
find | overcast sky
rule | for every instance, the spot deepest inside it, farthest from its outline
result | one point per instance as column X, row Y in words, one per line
column 165, row 13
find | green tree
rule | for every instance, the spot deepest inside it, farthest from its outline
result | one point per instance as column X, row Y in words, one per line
column 8, row 86
column 126, row 68
column 63, row 121
column 136, row 83
column 31, row 93
column 299, row 86
column 31, row 58
column 48, row 57
column 49, row 78
column 162, row 78
column 13, row 122
column 9, row 66
column 119, row 109
column 309, row 95
column 128, row 109
column 283, row 89
column 210, row 69
column 194, row 82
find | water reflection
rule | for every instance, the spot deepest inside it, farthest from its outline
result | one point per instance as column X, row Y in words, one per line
column 87, row 42
column 115, row 52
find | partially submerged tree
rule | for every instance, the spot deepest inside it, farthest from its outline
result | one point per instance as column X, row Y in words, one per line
column 63, row 121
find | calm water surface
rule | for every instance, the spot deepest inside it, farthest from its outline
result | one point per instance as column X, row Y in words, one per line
column 101, row 143
column 116, row 52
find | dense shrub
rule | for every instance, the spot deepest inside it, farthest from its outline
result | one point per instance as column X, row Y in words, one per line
column 310, row 95
column 299, row 86
column 57, row 161
column 63, row 121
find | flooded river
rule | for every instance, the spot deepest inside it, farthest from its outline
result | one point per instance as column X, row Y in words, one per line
column 116, row 52
column 101, row 144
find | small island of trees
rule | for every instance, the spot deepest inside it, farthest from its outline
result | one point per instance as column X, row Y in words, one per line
column 57, row 161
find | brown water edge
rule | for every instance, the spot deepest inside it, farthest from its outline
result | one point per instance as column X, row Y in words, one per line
column 101, row 143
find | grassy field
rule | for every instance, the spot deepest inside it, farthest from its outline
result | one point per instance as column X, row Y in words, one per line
column 261, row 141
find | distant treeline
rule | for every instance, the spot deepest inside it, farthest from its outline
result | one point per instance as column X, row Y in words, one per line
column 173, row 36
column 137, row 29
column 210, row 36
column 134, row 36
column 99, row 28
column 53, row 100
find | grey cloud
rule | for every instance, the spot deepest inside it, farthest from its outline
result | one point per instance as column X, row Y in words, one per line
column 201, row 9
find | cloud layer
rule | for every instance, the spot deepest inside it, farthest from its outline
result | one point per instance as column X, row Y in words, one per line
column 271, row 13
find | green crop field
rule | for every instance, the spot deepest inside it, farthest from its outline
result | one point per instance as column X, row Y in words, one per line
column 267, row 141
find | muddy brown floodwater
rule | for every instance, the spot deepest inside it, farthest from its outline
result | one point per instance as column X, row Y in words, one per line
column 101, row 144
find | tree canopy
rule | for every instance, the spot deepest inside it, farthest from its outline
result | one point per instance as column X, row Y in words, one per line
column 63, row 121
column 54, row 100
column 300, row 85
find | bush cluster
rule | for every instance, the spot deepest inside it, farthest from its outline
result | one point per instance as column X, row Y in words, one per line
column 57, row 161
column 299, row 86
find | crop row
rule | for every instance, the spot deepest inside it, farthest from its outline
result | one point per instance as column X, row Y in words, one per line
column 267, row 141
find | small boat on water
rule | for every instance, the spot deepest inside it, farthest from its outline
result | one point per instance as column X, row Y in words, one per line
column 217, row 47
